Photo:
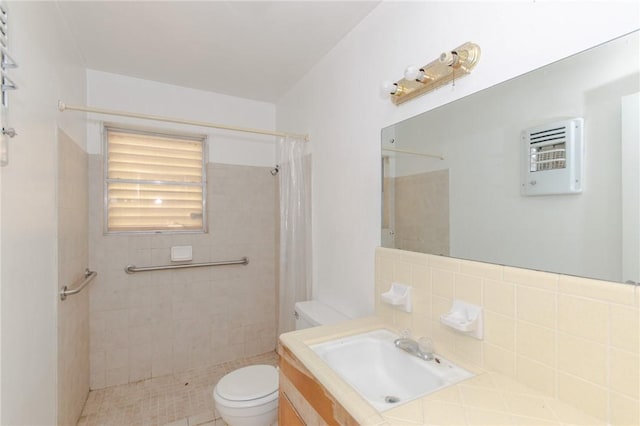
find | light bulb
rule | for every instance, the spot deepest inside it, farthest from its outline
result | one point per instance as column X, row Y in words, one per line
column 448, row 58
column 388, row 88
column 414, row 73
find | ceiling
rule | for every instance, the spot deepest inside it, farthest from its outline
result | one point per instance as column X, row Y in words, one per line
column 253, row 50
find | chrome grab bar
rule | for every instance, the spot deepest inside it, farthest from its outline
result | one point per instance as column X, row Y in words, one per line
column 130, row 269
column 88, row 277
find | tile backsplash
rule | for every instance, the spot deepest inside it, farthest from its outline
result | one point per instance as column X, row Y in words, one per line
column 155, row 323
column 575, row 339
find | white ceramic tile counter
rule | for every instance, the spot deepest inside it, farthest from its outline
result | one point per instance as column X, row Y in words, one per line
column 489, row 398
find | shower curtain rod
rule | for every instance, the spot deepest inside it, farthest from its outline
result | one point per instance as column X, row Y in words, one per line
column 63, row 107
column 405, row 151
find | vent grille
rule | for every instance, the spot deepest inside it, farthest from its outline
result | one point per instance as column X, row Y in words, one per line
column 548, row 149
column 551, row 158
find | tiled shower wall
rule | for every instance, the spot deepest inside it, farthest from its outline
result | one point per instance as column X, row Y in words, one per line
column 576, row 339
column 417, row 223
column 422, row 222
column 73, row 258
column 154, row 323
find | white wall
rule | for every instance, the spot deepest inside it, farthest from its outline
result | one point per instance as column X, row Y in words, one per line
column 338, row 103
column 112, row 91
column 50, row 69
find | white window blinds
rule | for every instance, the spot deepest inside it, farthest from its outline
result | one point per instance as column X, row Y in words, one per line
column 154, row 182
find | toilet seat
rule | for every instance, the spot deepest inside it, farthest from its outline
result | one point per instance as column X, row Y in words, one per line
column 248, row 396
column 246, row 405
column 248, row 384
column 248, row 390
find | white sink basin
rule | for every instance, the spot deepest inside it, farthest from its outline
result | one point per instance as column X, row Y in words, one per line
column 383, row 374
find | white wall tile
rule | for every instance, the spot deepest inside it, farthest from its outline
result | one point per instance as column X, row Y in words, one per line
column 169, row 321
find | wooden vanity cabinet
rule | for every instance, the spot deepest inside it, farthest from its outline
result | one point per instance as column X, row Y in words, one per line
column 287, row 414
column 304, row 401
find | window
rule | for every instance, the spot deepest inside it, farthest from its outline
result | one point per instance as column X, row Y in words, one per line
column 154, row 182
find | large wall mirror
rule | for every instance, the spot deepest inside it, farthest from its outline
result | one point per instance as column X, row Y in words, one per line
column 452, row 176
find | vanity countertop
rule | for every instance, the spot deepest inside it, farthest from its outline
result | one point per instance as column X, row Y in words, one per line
column 489, row 398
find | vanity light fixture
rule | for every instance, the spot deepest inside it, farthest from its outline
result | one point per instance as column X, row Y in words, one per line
column 419, row 80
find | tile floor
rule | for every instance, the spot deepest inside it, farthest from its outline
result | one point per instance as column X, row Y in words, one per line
column 182, row 399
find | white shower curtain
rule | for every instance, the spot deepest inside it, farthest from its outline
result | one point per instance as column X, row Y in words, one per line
column 295, row 229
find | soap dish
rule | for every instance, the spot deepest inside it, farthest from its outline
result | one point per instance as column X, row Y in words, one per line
column 464, row 317
column 399, row 295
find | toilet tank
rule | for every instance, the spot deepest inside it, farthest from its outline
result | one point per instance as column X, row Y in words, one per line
column 312, row 313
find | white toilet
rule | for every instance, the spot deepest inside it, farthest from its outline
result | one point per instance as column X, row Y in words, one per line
column 248, row 396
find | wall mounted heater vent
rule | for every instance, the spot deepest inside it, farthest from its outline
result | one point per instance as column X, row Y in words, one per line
column 552, row 158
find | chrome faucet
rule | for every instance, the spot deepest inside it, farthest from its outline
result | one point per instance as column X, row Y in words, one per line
column 412, row 347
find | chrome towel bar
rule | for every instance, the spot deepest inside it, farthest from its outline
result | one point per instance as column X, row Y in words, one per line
column 88, row 277
column 130, row 269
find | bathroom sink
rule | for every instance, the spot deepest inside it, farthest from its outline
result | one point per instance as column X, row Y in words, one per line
column 383, row 374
